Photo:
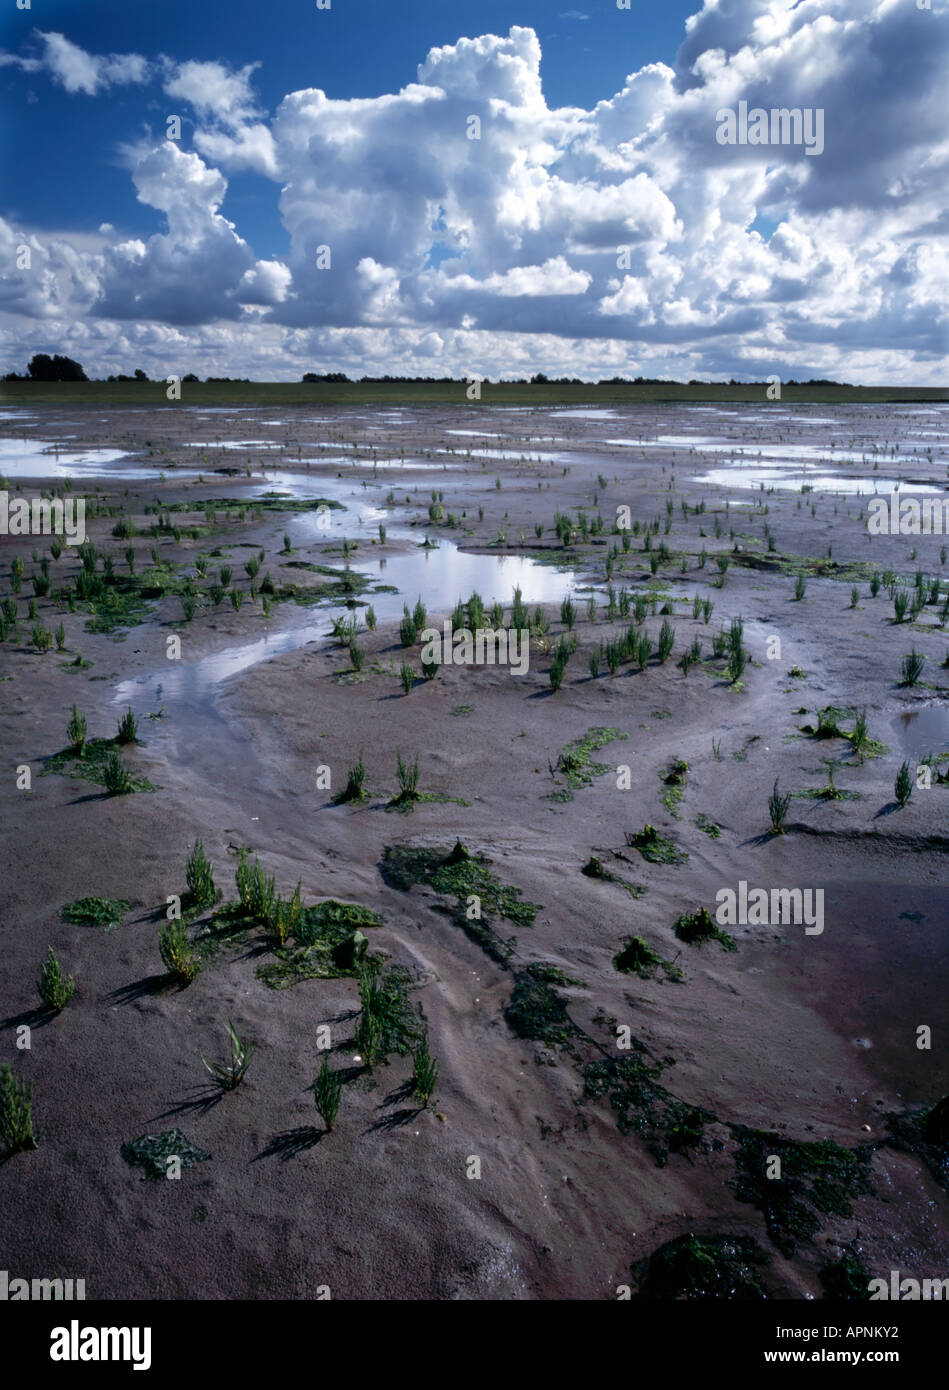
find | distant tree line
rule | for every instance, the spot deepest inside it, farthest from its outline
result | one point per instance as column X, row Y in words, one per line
column 43, row 367
column 338, row 377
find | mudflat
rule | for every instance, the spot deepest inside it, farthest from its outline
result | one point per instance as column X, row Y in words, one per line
column 626, row 1080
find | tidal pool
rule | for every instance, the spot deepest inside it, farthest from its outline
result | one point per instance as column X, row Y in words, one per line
column 922, row 731
column 38, row 458
column 793, row 478
column 438, row 576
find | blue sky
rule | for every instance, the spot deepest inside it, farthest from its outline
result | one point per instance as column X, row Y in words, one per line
column 359, row 48
column 598, row 223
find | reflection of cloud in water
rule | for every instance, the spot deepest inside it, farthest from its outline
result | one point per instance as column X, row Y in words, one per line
column 922, row 731
column 36, row 458
column 514, row 454
column 439, row 576
column 444, row 575
column 592, row 414
column 794, row 479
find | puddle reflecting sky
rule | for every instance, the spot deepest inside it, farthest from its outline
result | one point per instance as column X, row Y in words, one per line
column 794, row 479
column 439, row 576
column 35, row 458
column 922, row 731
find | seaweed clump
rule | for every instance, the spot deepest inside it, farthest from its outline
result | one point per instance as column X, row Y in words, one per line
column 152, row 1152
column 638, row 958
column 721, row 1267
column 95, row 912
column 328, row 942
column 816, row 1177
column 593, row 868
column 536, row 1010
column 845, row 1278
column 478, row 893
column 673, row 779
column 925, row 1133
column 656, row 848
column 697, row 927
column 643, row 1106
column 575, row 764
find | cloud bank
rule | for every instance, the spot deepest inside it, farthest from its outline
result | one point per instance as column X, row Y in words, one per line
column 462, row 224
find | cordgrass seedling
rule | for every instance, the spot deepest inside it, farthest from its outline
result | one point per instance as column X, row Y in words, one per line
column 355, row 789
column 778, row 805
column 128, row 728
column 55, row 988
column 408, row 780
column 76, row 732
column 16, row 1112
column 424, row 1073
column 177, row 954
column 116, row 776
column 327, row 1092
column 229, row 1075
column 912, row 667
column 199, row 877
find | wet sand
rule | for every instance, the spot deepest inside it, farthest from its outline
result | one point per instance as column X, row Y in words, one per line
column 809, row 1037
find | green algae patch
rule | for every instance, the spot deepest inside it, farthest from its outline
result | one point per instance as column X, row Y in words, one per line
column 125, row 600
column 333, row 921
column 811, row 566
column 673, row 779
column 593, row 868
column 817, row 1179
column 340, row 586
column 720, row 1267
column 152, row 1152
column 637, row 958
column 828, row 722
column 575, row 764
column 707, row 826
column 460, row 875
column 845, row 1278
column 536, row 1010
column 329, row 942
column 828, row 726
column 642, row 1104
column 656, row 848
column 925, row 1134
column 700, row 926
column 95, row 912
column 386, row 992
column 406, row 802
